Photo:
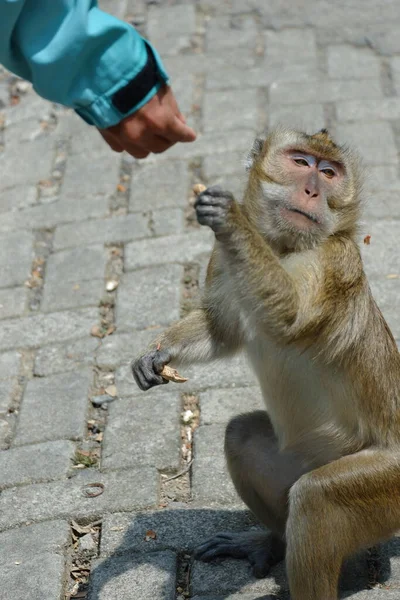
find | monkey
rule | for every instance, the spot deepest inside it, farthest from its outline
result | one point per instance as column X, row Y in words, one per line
column 320, row 466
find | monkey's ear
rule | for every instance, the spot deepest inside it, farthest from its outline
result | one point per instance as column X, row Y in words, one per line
column 254, row 152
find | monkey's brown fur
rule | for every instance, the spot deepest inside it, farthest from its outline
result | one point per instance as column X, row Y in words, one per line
column 320, row 468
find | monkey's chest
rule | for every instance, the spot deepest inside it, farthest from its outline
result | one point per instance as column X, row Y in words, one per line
column 310, row 405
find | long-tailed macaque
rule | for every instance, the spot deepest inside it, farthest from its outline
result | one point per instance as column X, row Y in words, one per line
column 321, row 467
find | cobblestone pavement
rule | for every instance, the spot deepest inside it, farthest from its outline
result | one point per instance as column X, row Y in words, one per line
column 92, row 242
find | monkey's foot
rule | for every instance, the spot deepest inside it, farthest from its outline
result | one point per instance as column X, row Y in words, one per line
column 263, row 550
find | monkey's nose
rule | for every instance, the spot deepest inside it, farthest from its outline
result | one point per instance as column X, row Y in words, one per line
column 311, row 193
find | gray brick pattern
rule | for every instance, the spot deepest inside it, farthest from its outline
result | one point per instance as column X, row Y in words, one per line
column 237, row 67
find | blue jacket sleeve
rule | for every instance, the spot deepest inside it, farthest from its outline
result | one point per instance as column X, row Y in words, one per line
column 79, row 56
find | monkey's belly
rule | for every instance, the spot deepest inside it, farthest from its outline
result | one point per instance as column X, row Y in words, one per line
column 310, row 406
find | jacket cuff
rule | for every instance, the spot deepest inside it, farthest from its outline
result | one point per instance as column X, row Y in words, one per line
column 111, row 108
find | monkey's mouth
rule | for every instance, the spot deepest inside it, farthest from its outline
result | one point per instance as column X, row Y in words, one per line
column 308, row 216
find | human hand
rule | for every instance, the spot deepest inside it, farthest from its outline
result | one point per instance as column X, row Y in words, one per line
column 155, row 127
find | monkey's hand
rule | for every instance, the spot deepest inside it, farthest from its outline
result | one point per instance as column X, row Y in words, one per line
column 215, row 208
column 146, row 369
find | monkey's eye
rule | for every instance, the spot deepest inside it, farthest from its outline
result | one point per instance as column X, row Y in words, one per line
column 329, row 173
column 301, row 161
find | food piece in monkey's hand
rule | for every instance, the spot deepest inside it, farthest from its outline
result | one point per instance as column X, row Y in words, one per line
column 171, row 374
column 198, row 188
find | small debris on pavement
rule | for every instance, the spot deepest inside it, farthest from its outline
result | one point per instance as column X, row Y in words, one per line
column 92, row 490
column 111, row 285
column 150, row 535
column 100, row 400
column 111, row 390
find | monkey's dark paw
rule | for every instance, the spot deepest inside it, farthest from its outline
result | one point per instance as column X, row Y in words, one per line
column 146, row 369
column 213, row 207
column 260, row 550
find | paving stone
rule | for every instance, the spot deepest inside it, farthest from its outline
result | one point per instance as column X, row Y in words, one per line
column 12, row 302
column 156, row 186
column 383, row 177
column 385, row 42
column 216, row 165
column 26, row 163
column 5, row 433
column 7, row 388
column 60, row 358
column 306, row 117
column 372, row 139
column 30, row 107
column 16, row 255
column 182, row 249
column 178, row 528
column 76, row 265
column 121, row 228
column 151, row 576
column 61, row 296
column 83, row 140
column 69, row 210
column 86, row 175
column 123, row 491
column 47, row 329
column 234, row 576
column 389, row 563
column 347, row 62
column 381, row 257
column 183, row 87
column 325, row 91
column 290, row 46
column 35, row 463
column 143, row 431
column 170, row 28
column 222, row 34
column 9, row 364
column 18, row 197
column 33, row 540
column 381, row 205
column 220, row 142
column 368, row 109
column 37, row 577
column 395, row 69
column 211, row 482
column 239, row 596
column 219, row 406
column 149, row 297
column 376, row 594
column 53, row 408
column 122, row 348
column 224, row 110
column 204, row 64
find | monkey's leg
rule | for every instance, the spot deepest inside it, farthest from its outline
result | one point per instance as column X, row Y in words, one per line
column 262, row 477
column 335, row 511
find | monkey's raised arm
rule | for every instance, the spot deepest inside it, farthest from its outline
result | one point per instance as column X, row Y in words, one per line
column 263, row 284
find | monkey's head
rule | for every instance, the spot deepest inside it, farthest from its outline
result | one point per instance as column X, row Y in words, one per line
column 302, row 188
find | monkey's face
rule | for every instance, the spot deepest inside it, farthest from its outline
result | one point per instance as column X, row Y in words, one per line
column 302, row 194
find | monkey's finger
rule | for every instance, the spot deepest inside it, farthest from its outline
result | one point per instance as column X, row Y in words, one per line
column 221, row 549
column 206, row 200
column 217, row 192
column 160, row 359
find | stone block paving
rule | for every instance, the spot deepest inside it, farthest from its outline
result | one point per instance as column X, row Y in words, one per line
column 99, row 252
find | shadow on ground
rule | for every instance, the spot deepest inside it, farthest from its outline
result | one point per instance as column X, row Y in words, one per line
column 134, row 567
